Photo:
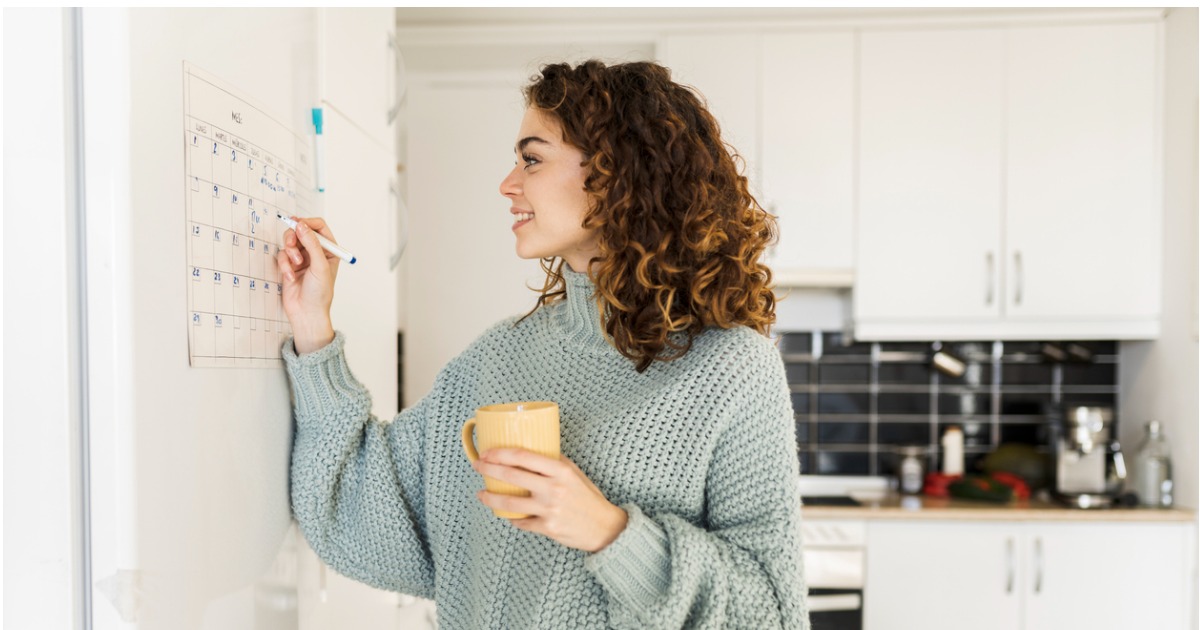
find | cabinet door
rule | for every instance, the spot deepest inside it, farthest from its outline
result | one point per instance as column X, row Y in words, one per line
column 359, row 70
column 1108, row 576
column 357, row 206
column 808, row 149
column 942, row 576
column 930, row 140
column 724, row 68
column 1083, row 213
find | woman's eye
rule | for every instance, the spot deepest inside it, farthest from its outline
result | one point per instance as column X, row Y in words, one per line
column 529, row 160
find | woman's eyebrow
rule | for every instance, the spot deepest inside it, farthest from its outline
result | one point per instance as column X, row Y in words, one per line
column 525, row 141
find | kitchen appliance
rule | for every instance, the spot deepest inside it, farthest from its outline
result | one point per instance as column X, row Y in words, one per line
column 835, row 550
column 1089, row 465
column 835, row 570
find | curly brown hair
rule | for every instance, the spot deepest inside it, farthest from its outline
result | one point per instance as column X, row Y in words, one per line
column 679, row 234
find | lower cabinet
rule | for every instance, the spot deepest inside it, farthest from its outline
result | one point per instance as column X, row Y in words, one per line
column 944, row 575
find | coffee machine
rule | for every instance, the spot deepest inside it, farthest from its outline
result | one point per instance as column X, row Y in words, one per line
column 1089, row 465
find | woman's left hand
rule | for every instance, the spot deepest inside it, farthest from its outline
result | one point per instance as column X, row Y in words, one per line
column 564, row 505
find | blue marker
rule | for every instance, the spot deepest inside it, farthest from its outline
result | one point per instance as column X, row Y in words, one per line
column 319, row 146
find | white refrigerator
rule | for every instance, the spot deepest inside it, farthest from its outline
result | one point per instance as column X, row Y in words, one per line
column 181, row 507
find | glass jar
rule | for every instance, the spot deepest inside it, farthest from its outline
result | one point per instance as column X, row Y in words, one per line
column 1152, row 469
column 912, row 469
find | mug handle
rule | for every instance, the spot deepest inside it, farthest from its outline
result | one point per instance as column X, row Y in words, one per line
column 469, row 440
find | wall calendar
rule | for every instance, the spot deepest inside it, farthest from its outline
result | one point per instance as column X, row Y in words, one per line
column 243, row 166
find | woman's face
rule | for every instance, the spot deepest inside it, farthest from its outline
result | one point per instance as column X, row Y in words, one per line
column 546, row 191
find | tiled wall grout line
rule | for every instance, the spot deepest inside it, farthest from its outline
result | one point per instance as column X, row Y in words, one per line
column 857, row 401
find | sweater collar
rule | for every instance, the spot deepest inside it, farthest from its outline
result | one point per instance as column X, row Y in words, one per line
column 579, row 317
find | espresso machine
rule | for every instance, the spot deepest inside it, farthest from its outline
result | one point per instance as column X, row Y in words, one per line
column 1089, row 465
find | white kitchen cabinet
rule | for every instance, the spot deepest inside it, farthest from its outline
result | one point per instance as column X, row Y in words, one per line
column 807, row 154
column 1083, row 218
column 361, row 71
column 1029, row 576
column 724, row 67
column 357, row 207
column 930, row 139
column 785, row 102
column 1009, row 183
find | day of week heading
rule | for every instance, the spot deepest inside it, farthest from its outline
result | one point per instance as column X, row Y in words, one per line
column 238, row 144
column 221, row 136
column 201, row 127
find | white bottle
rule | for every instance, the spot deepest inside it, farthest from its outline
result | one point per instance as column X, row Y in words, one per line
column 952, row 451
column 1152, row 469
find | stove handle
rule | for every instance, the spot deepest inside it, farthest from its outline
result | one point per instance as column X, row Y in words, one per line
column 832, row 603
column 1037, row 554
column 1008, row 561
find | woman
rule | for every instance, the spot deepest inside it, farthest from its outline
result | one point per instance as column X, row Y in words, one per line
column 675, row 502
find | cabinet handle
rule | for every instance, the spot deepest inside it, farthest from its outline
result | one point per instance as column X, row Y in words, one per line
column 1037, row 561
column 1019, row 272
column 991, row 278
column 395, row 92
column 1008, row 561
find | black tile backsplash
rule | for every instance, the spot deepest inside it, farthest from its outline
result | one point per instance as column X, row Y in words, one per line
column 844, row 373
column 855, row 402
column 842, row 402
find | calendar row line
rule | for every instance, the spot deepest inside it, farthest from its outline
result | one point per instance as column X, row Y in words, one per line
column 241, row 189
column 229, row 256
column 237, row 299
column 226, row 172
column 231, row 340
column 236, row 281
column 204, row 130
column 219, row 320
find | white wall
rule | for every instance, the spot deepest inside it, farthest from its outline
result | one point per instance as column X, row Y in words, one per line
column 39, row 357
column 1159, row 379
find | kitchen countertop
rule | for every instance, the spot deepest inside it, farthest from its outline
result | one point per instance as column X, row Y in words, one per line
column 898, row 507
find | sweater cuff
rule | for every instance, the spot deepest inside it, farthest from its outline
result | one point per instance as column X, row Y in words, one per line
column 635, row 567
column 321, row 380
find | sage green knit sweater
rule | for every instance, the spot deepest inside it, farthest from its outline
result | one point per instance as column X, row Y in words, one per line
column 699, row 451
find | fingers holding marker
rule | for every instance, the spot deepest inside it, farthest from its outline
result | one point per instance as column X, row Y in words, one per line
column 318, row 225
column 331, row 250
column 316, row 254
column 285, row 266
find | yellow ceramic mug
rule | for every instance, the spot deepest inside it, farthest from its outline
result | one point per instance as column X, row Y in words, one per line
column 531, row 425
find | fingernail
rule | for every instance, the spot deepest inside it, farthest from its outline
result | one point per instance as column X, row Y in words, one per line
column 291, row 277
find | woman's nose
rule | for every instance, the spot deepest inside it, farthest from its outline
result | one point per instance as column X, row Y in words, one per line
column 511, row 185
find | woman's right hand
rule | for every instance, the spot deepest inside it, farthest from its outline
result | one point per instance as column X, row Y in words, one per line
column 308, row 273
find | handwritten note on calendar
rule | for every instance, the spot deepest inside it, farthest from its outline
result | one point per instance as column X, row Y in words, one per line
column 242, row 167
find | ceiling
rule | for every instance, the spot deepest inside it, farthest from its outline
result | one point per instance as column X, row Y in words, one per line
column 444, row 16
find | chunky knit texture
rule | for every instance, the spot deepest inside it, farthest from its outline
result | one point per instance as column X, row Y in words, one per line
column 699, row 451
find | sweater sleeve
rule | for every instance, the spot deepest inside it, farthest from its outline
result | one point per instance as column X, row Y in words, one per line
column 357, row 484
column 745, row 569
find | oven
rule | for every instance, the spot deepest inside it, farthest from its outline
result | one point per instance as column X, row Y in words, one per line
column 835, row 570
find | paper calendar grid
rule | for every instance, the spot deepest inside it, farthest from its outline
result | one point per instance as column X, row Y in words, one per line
column 237, row 179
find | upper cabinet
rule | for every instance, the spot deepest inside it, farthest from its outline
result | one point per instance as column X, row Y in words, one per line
column 1084, row 218
column 361, row 71
column 931, row 148
column 785, row 102
column 1009, row 183
column 807, row 154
